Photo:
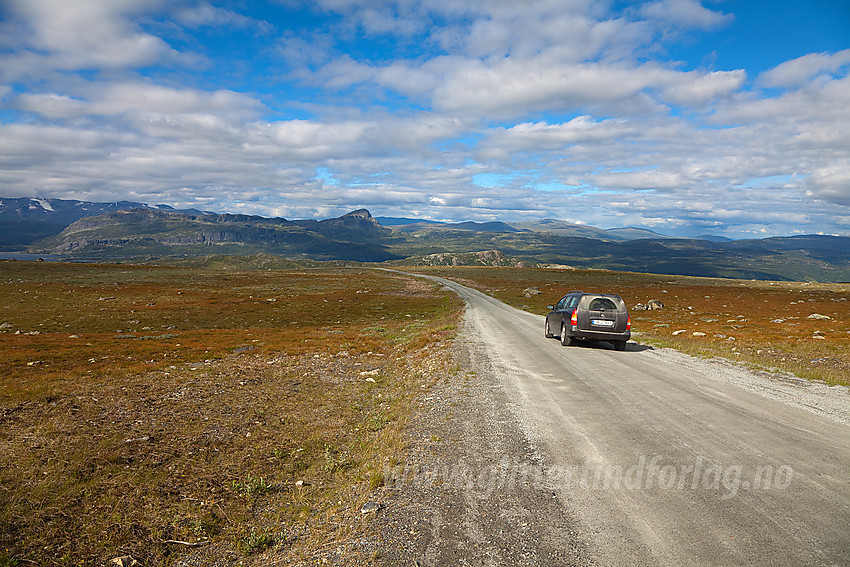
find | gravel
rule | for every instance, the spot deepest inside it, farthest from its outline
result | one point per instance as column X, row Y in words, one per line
column 832, row 402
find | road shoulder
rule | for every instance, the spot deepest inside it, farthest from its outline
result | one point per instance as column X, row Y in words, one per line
column 469, row 490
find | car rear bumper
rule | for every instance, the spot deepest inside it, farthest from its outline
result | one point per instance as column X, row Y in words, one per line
column 599, row 335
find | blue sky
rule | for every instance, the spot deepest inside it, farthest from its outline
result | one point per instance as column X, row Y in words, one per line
column 724, row 117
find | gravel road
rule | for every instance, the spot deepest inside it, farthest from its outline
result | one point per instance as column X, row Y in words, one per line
column 545, row 455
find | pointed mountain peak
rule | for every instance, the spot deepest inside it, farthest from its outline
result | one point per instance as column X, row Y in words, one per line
column 358, row 214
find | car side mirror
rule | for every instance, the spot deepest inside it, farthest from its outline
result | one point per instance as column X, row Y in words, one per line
column 550, row 307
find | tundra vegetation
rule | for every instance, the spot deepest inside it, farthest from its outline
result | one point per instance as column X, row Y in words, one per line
column 160, row 412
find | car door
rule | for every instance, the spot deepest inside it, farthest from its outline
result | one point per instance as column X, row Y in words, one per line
column 570, row 303
column 553, row 319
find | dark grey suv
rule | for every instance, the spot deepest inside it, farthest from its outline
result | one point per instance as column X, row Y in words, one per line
column 590, row 316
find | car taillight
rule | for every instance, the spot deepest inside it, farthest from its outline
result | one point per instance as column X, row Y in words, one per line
column 629, row 324
column 574, row 317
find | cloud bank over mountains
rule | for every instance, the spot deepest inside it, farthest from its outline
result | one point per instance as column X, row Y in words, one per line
column 469, row 110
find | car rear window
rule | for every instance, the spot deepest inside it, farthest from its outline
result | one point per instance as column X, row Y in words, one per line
column 602, row 304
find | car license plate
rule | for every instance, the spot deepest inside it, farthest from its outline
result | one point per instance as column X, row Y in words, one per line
column 602, row 323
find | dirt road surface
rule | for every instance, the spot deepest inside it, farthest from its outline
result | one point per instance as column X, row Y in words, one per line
column 547, row 455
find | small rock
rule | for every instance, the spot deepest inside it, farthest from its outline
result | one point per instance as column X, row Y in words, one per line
column 679, row 332
column 370, row 507
column 531, row 291
column 370, row 379
column 5, row 326
column 698, row 334
column 374, row 372
column 819, row 317
column 125, row 561
column 654, row 304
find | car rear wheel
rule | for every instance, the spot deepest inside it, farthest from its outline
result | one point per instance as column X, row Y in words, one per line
column 565, row 338
column 620, row 345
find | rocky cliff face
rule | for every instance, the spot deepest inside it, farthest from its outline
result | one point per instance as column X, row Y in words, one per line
column 355, row 226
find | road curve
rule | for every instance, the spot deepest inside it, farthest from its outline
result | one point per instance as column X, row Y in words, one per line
column 662, row 462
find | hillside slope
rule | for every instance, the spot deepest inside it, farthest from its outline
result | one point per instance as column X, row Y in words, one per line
column 815, row 258
column 151, row 233
column 26, row 220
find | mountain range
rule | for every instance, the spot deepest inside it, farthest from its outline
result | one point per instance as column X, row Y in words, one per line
column 128, row 231
column 25, row 221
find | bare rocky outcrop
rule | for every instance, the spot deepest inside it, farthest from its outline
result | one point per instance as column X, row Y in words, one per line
column 480, row 258
column 650, row 305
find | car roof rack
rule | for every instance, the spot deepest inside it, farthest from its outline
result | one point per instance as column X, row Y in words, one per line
column 576, row 291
